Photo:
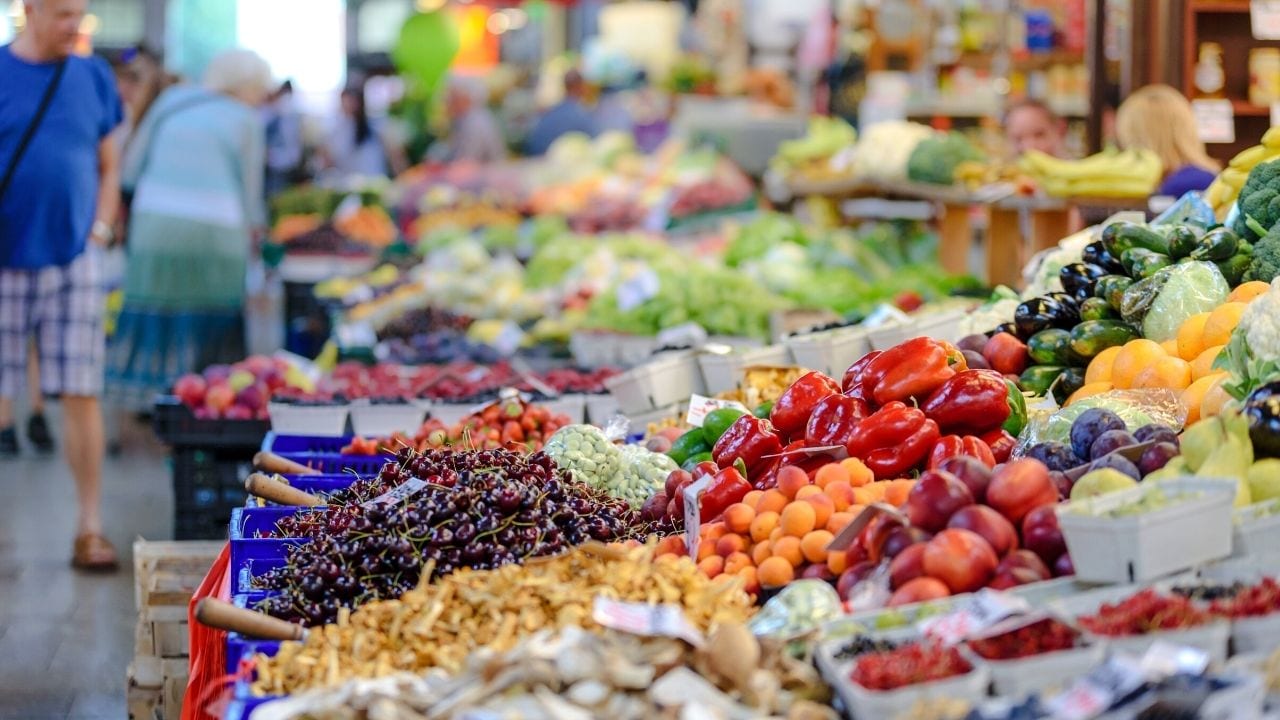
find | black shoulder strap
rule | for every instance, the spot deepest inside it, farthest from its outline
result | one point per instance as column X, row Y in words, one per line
column 30, row 132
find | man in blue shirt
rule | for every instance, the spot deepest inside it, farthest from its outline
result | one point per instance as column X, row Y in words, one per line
column 56, row 208
column 569, row 115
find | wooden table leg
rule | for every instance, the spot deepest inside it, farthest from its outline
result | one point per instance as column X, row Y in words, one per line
column 1004, row 248
column 955, row 236
column 1048, row 227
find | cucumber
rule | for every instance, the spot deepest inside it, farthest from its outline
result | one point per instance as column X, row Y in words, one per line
column 1120, row 236
column 1050, row 346
column 1037, row 378
column 1093, row 336
column 1216, row 245
column 1233, row 268
column 1182, row 240
column 1096, row 309
column 1111, row 288
column 1143, row 263
column 1071, row 380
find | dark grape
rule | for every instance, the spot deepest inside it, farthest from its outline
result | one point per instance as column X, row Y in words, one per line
column 1156, row 433
column 1089, row 425
column 1156, row 457
column 1054, row 455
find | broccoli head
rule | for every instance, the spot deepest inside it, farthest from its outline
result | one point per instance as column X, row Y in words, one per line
column 1265, row 265
column 934, row 159
column 1259, row 201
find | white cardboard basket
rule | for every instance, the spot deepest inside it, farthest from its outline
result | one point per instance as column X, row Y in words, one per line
column 573, row 405
column 864, row 704
column 451, row 413
column 1255, row 531
column 600, row 407
column 665, row 380
column 1137, row 548
column 1256, row 634
column 1210, row 638
column 940, row 326
column 1018, row 678
column 723, row 371
column 381, row 420
column 313, row 420
column 829, row 351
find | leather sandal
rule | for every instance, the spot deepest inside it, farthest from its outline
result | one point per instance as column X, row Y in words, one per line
column 94, row 552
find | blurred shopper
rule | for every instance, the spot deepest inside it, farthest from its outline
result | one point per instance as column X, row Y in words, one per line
column 358, row 145
column 141, row 78
column 59, row 190
column 1031, row 125
column 474, row 134
column 284, row 140
column 1158, row 118
column 196, row 170
column 38, row 431
column 568, row 115
column 611, row 112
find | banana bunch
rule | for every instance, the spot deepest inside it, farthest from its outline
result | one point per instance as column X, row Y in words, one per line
column 1224, row 189
column 1112, row 174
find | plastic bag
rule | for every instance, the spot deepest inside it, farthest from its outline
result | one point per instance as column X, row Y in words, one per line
column 1161, row 303
column 641, row 474
column 1190, row 209
column 586, row 452
column 798, row 609
column 1135, row 407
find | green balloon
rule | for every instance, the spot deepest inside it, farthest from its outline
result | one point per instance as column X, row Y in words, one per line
column 427, row 45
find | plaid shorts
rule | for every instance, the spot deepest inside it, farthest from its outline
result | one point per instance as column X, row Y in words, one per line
column 61, row 307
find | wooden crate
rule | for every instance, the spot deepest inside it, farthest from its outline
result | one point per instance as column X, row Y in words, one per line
column 187, row 559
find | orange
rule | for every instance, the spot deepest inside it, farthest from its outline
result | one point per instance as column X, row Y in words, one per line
column 823, row 507
column 775, row 572
column 838, row 520
column 750, row 582
column 859, row 473
column 1089, row 389
column 738, row 517
column 1133, row 358
column 896, row 493
column 1170, row 346
column 1217, row 331
column 736, row 562
column 798, row 518
column 1202, row 365
column 1167, row 372
column 771, row 501
column 837, row 561
column 730, row 544
column 1215, row 398
column 841, row 493
column 790, row 480
column 1248, row 291
column 1099, row 369
column 761, row 551
column 1191, row 336
column 830, row 473
column 808, row 491
column 788, row 548
column 1193, row 396
column 763, row 524
column 814, row 545
column 711, row 566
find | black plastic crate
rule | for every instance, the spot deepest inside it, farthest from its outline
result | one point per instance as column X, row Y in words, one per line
column 176, row 425
column 207, row 485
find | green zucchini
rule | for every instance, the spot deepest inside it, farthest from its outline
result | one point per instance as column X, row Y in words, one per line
column 1121, row 236
column 1037, row 378
column 1069, row 381
column 1093, row 336
column 1233, row 268
column 1096, row 309
column 1182, row 240
column 1216, row 245
column 1143, row 263
column 1049, row 346
column 1111, row 288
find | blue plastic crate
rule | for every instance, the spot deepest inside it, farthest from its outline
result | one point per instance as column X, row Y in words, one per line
column 240, row 646
column 314, row 484
column 336, row 463
column 255, row 557
column 242, row 708
column 303, row 444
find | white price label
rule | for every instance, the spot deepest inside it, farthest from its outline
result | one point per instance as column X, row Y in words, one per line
column 1264, row 18
column 1215, row 120
column 645, row 619
column 701, row 405
column 1164, row 659
column 1091, row 695
column 638, row 289
column 399, row 493
column 693, row 513
column 977, row 613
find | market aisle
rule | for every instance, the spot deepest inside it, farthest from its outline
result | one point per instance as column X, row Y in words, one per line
column 65, row 637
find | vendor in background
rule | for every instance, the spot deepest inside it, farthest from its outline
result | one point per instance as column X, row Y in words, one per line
column 1031, row 125
column 358, row 144
column 195, row 166
column 474, row 135
column 568, row 115
column 1158, row 118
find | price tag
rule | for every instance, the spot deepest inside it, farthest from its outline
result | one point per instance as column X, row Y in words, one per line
column 1264, row 18
column 1215, row 120
column 399, row 493
column 977, row 613
column 700, row 405
column 693, row 513
column 638, row 289
column 645, row 619
column 508, row 339
column 1091, row 695
column 1164, row 659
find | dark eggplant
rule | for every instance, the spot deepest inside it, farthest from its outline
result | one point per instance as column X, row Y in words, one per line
column 1071, row 380
column 1095, row 254
column 1077, row 275
column 1035, row 315
column 1070, row 310
column 1005, row 328
column 1262, row 409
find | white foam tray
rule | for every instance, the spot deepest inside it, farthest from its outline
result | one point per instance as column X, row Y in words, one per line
column 829, row 351
column 723, row 372
column 313, row 420
column 380, row 420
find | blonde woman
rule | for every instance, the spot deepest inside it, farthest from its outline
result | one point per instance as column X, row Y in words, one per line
column 1158, row 118
column 196, row 168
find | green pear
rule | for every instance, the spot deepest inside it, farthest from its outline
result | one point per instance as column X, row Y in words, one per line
column 1176, row 467
column 1264, row 479
column 1231, row 459
column 1101, row 482
column 1201, row 439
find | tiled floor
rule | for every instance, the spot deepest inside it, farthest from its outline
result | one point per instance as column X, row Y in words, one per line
column 66, row 638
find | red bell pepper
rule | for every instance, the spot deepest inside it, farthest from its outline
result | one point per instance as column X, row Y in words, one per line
column 854, row 375
column 727, row 487
column 912, row 369
column 792, row 410
column 1001, row 443
column 972, row 402
column 748, row 439
column 893, row 440
column 953, row 445
column 701, row 470
column 833, row 420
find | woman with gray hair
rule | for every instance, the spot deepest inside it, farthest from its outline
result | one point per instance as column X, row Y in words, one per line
column 195, row 169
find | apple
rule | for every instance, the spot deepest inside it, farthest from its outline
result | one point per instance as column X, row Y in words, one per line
column 818, row 571
column 1019, row 568
column 1020, row 486
column 935, row 497
column 219, row 397
column 900, row 538
column 960, row 558
column 907, row 566
column 970, row 471
column 190, row 389
column 1041, row 534
column 257, row 364
column 991, row 525
column 1063, row 566
column 204, row 413
column 273, row 379
column 921, row 589
column 240, row 379
column 852, row 576
column 876, row 534
column 215, row 373
column 254, row 397
column 238, row 412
